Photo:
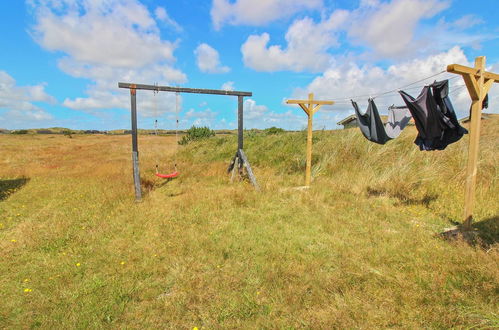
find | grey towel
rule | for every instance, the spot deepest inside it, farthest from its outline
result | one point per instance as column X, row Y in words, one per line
column 397, row 121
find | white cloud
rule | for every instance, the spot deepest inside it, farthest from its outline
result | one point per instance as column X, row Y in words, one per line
column 208, row 60
column 105, row 42
column 162, row 15
column 257, row 13
column 228, row 86
column 341, row 82
column 467, row 22
column 307, row 46
column 118, row 33
column 17, row 103
column 260, row 116
column 389, row 28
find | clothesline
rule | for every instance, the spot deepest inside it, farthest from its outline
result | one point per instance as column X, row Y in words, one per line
column 432, row 112
column 392, row 91
column 347, row 101
column 456, row 89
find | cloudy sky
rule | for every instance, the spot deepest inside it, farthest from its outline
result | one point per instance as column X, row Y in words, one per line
column 61, row 60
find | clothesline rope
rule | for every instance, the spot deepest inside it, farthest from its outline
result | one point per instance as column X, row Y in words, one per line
column 456, row 90
column 392, row 91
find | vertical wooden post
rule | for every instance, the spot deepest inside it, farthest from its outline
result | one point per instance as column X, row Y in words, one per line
column 474, row 145
column 308, row 169
column 135, row 145
column 310, row 107
column 478, row 83
column 240, row 123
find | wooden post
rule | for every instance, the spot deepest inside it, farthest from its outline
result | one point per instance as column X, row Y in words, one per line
column 310, row 107
column 308, row 169
column 478, row 83
column 135, row 146
column 240, row 123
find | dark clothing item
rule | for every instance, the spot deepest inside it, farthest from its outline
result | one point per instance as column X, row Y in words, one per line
column 455, row 131
column 370, row 123
column 434, row 117
column 485, row 103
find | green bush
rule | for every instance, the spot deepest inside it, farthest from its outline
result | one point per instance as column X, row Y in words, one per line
column 273, row 130
column 20, row 131
column 196, row 133
column 68, row 133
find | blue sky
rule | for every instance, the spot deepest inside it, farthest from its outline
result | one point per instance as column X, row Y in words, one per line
column 61, row 60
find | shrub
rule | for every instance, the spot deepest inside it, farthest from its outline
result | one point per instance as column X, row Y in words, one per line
column 196, row 133
column 273, row 130
column 20, row 131
column 67, row 132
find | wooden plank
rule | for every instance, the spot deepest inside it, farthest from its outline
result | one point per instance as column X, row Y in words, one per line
column 486, row 87
column 469, row 193
column 474, row 144
column 307, row 101
column 472, row 86
column 136, row 176
column 240, row 123
column 464, row 70
column 308, row 169
column 135, row 146
column 248, row 169
column 183, row 89
column 234, row 168
column 316, row 108
column 305, row 108
column 232, row 163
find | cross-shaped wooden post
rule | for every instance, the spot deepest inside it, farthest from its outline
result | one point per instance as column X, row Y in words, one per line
column 478, row 81
column 310, row 107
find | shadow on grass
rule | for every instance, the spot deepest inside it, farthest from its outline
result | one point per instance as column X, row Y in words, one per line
column 488, row 230
column 8, row 187
column 484, row 234
column 150, row 185
column 403, row 199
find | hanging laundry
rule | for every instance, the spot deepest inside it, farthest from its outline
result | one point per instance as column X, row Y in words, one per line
column 398, row 118
column 455, row 131
column 370, row 123
column 485, row 103
column 434, row 117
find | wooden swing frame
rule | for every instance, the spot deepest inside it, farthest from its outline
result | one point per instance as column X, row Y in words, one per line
column 239, row 159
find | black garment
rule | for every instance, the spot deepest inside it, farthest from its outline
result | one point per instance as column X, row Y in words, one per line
column 441, row 94
column 434, row 117
column 485, row 103
column 370, row 123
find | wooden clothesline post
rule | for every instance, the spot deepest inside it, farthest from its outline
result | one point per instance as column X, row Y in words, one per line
column 478, row 82
column 310, row 107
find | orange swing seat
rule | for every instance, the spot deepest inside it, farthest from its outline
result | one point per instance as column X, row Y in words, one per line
column 168, row 176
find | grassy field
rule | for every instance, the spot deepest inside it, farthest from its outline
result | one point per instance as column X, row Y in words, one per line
column 360, row 249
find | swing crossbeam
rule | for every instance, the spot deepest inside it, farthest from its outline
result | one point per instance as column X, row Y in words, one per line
column 135, row 150
column 182, row 89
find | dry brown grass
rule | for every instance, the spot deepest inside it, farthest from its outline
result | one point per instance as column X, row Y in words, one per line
column 358, row 250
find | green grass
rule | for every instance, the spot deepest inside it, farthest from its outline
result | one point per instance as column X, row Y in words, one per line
column 360, row 249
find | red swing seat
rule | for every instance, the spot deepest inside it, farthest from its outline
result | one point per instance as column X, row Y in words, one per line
column 168, row 176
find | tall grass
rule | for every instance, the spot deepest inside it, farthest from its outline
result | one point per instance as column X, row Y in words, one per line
column 358, row 250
